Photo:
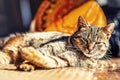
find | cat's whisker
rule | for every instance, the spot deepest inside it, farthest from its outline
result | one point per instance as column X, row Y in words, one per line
column 107, row 56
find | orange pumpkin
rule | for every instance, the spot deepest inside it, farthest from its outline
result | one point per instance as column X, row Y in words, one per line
column 63, row 15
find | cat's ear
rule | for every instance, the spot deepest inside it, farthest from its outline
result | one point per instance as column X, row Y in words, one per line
column 81, row 23
column 109, row 29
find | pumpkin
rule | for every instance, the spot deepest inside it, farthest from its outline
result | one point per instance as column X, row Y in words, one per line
column 62, row 15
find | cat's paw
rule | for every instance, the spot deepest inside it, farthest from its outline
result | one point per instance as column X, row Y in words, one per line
column 112, row 66
column 102, row 65
column 106, row 65
column 26, row 67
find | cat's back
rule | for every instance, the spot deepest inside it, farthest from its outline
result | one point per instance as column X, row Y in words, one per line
column 45, row 38
column 33, row 38
column 44, row 35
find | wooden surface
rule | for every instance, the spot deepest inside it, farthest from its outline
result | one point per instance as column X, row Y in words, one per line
column 9, row 72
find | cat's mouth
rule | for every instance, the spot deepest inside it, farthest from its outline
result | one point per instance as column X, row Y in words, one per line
column 90, row 54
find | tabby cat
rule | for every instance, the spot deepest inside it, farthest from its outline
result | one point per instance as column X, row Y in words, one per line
column 47, row 50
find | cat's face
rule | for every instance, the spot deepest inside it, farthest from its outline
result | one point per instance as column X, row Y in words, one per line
column 92, row 41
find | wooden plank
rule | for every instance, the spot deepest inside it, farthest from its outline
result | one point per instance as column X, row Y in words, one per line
column 9, row 72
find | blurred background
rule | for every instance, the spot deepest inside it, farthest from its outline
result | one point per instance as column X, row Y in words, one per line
column 16, row 16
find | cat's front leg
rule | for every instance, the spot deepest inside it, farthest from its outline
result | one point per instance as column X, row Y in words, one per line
column 106, row 65
column 23, row 65
column 40, row 60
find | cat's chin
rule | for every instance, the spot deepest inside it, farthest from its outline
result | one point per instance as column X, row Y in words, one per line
column 94, row 55
column 89, row 54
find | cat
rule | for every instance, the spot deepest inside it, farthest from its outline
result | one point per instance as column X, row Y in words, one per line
column 84, row 48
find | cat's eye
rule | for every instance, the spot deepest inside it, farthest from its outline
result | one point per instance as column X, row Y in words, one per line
column 99, row 43
column 84, row 41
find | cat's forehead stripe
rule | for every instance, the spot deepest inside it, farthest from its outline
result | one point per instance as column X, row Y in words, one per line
column 93, row 32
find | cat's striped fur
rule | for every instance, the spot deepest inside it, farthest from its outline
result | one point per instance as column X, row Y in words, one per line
column 53, row 49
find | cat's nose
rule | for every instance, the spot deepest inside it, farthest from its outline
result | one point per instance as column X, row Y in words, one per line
column 90, row 48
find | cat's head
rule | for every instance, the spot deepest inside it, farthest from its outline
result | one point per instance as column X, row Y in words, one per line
column 92, row 41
